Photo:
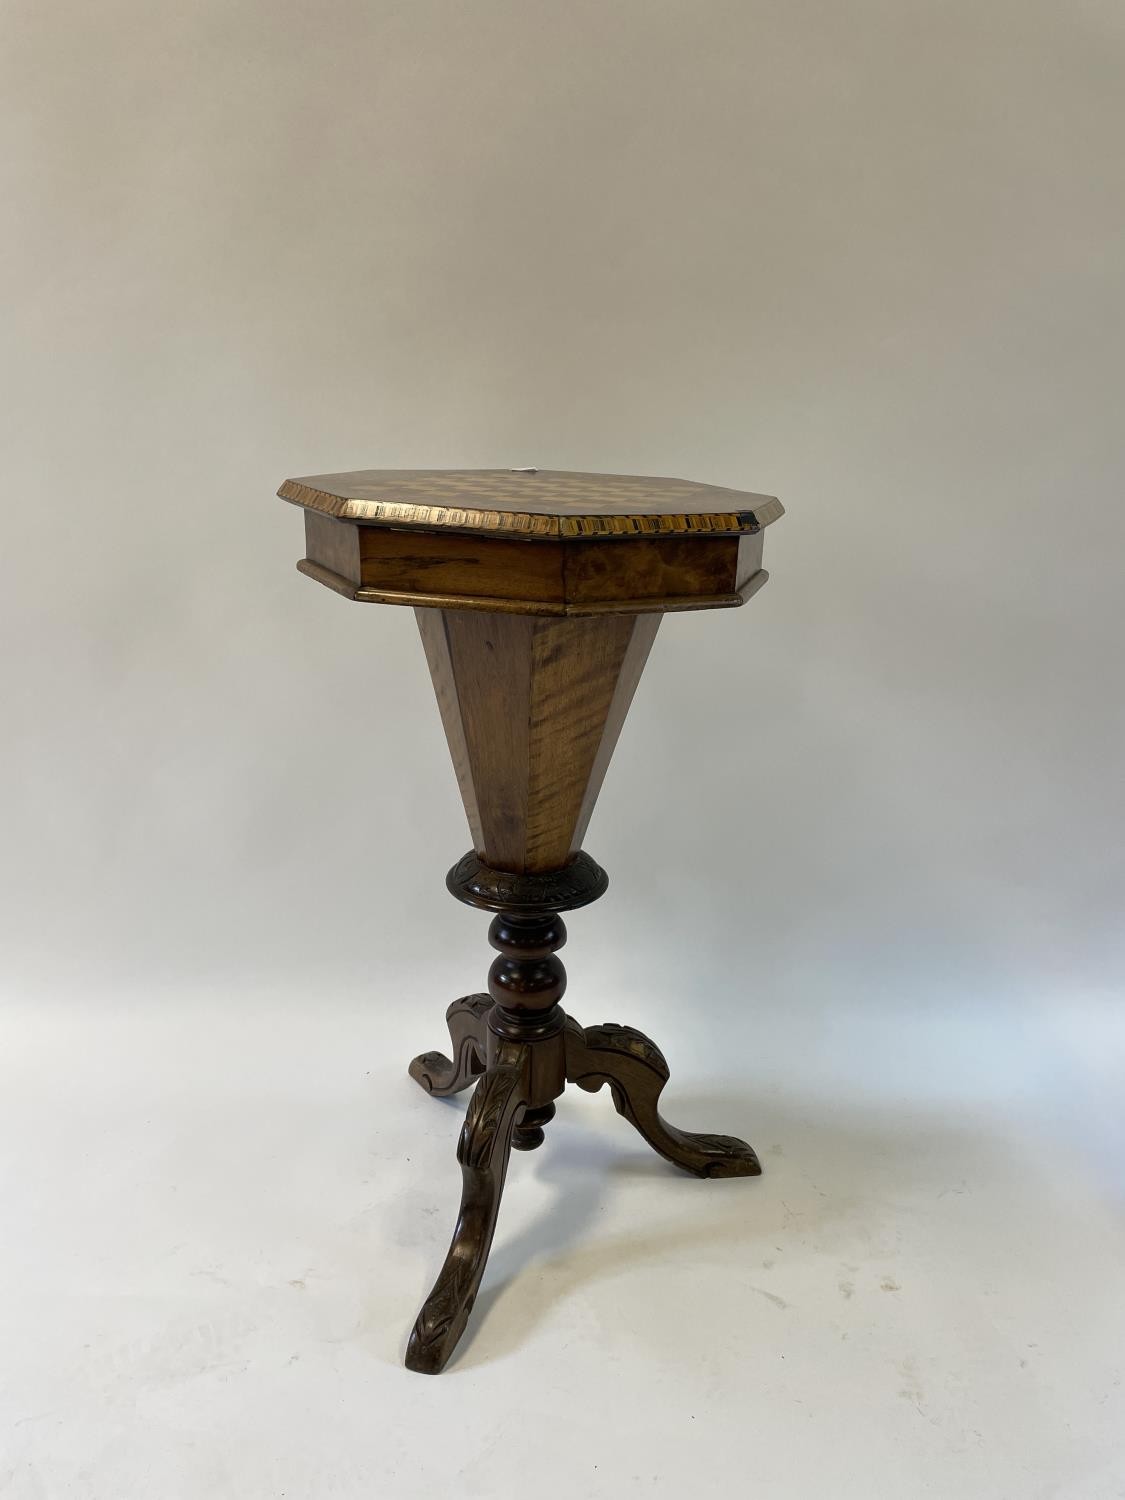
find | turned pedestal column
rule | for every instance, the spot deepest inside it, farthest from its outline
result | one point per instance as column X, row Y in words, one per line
column 538, row 595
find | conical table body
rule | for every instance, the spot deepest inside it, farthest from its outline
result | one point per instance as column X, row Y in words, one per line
column 532, row 708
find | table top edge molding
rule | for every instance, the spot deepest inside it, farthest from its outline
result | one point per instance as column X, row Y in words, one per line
column 751, row 515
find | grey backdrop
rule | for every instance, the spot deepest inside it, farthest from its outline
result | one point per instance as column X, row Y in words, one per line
column 868, row 257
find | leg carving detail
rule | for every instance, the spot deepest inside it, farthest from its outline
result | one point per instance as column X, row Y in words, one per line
column 483, row 1151
column 636, row 1072
column 466, row 1021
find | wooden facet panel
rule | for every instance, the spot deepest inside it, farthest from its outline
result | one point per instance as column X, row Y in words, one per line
column 650, row 568
column 532, row 707
column 334, row 545
column 447, row 563
column 454, row 570
column 628, row 675
column 749, row 559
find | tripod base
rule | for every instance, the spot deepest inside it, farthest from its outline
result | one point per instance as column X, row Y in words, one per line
column 507, row 1111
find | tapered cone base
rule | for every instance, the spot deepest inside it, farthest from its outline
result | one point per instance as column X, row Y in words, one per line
column 532, row 707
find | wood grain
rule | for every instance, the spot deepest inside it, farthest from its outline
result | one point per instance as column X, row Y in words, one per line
column 532, row 708
column 650, row 568
column 473, row 566
column 576, row 671
column 334, row 545
column 388, row 565
column 628, row 676
column 489, row 660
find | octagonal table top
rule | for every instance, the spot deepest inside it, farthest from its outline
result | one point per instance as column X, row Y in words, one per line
column 533, row 503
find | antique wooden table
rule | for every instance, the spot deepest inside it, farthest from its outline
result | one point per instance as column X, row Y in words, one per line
column 537, row 595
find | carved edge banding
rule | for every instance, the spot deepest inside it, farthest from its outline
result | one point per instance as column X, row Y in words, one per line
column 412, row 515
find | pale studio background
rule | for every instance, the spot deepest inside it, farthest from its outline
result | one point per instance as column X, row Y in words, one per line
column 869, row 257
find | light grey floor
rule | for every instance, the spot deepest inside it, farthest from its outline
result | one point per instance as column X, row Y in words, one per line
column 220, row 1218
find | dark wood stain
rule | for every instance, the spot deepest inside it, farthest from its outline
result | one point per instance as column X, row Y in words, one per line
column 533, row 1050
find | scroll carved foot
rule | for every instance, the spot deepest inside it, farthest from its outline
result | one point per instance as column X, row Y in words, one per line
column 466, row 1021
column 483, row 1151
column 636, row 1072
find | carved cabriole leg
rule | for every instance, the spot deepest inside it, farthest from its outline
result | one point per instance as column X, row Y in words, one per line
column 483, row 1151
column 467, row 1030
column 526, row 1072
column 636, row 1072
